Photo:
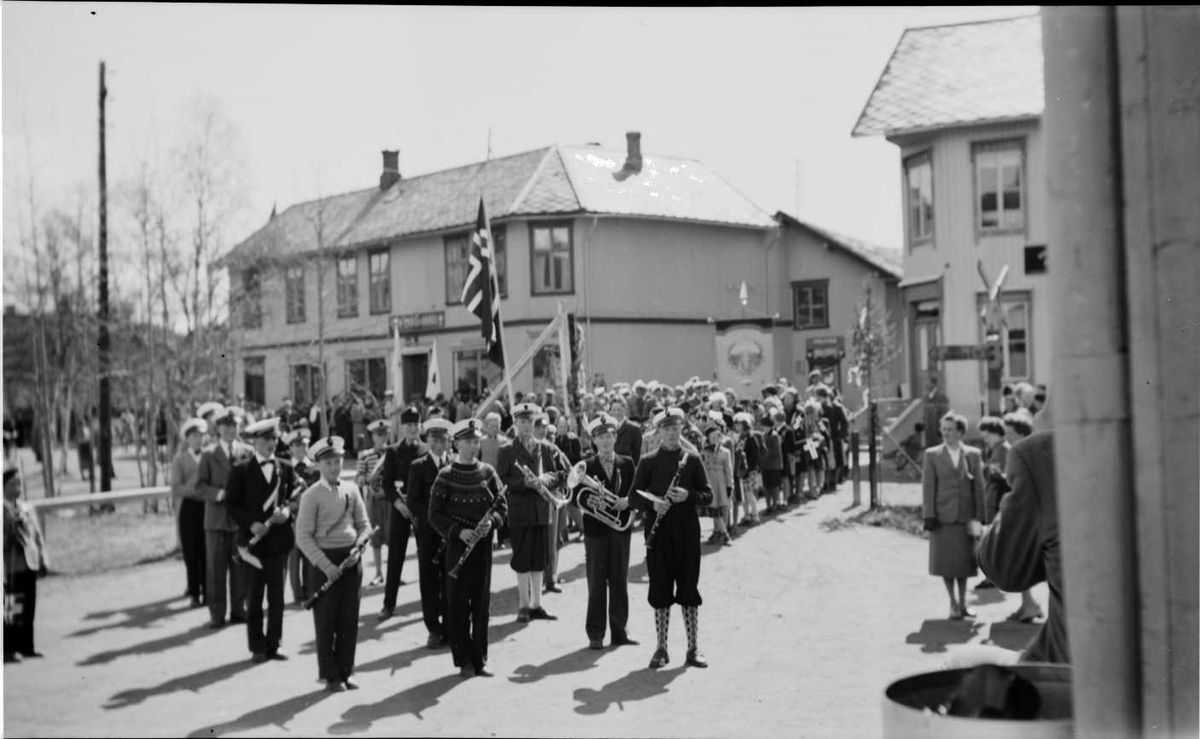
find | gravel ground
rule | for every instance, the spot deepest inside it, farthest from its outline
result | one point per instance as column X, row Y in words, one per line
column 803, row 629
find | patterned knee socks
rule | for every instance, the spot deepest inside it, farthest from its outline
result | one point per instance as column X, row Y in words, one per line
column 662, row 621
column 691, row 622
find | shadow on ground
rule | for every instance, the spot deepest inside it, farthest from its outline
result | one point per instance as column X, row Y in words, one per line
column 136, row 617
column 577, row 661
column 638, row 685
column 1012, row 634
column 193, row 682
column 935, row 634
column 276, row 715
column 415, row 701
column 150, row 647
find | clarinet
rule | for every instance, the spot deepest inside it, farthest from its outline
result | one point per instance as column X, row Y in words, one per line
column 476, row 539
column 683, row 455
column 355, row 552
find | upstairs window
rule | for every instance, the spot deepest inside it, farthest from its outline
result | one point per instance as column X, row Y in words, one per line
column 347, row 286
column 918, row 178
column 999, row 187
column 552, row 259
column 294, row 293
column 810, row 304
column 381, row 281
column 458, row 266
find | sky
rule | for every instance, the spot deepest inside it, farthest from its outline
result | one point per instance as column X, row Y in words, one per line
column 765, row 97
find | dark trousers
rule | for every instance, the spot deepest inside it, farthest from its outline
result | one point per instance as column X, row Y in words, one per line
column 674, row 565
column 335, row 616
column 552, row 546
column 429, row 563
column 399, row 529
column 468, row 602
column 191, row 541
column 222, row 563
column 268, row 580
column 607, row 576
column 18, row 636
column 297, row 570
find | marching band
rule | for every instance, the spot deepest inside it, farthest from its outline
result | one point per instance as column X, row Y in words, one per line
column 652, row 456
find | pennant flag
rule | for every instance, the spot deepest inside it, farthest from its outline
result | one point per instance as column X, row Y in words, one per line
column 481, row 291
column 433, row 387
column 397, row 369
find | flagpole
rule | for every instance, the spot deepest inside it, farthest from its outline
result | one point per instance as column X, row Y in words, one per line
column 494, row 280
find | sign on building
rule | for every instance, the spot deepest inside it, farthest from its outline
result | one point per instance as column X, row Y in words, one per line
column 414, row 322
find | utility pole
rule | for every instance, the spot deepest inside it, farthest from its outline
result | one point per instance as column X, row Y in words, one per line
column 105, row 396
column 872, row 409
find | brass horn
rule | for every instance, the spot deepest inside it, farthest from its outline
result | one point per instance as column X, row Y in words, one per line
column 597, row 501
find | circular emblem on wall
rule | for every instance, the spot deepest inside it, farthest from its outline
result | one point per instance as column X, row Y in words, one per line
column 745, row 355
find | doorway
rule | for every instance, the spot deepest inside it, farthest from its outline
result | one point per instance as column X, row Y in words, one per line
column 415, row 369
column 926, row 334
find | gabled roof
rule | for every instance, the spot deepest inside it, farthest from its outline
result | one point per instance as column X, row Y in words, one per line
column 887, row 260
column 554, row 180
column 969, row 73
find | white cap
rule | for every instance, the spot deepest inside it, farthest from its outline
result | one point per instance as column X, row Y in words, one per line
column 211, row 406
column 467, row 428
column 602, row 423
column 327, row 446
column 525, row 409
column 671, row 415
column 439, row 426
column 265, row 427
column 193, row 424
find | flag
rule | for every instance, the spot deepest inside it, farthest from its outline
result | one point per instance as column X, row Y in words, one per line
column 433, row 387
column 481, row 291
column 397, row 369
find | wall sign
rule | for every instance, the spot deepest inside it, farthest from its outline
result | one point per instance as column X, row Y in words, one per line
column 414, row 322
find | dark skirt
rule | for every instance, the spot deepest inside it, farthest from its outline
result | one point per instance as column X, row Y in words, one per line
column 529, row 548
column 952, row 552
column 772, row 479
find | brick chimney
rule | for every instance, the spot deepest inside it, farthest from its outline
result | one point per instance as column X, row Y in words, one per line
column 633, row 157
column 391, row 168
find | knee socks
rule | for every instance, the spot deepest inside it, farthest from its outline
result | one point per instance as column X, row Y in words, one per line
column 535, row 589
column 691, row 622
column 523, row 579
column 662, row 621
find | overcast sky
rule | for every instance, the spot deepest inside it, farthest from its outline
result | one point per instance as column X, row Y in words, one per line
column 315, row 89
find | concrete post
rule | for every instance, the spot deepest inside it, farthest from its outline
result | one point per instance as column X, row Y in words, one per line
column 1090, row 384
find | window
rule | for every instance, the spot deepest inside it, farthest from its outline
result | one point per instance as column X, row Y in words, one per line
column 999, row 187
column 552, row 260
column 381, row 281
column 252, row 298
column 918, row 178
column 294, row 293
column 347, row 286
column 474, row 373
column 367, row 377
column 1014, row 336
column 810, row 301
column 255, row 374
column 306, row 384
column 458, row 250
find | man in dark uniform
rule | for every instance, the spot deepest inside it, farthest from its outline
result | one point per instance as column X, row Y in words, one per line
column 261, row 501
column 629, row 434
column 221, row 560
column 678, row 479
column 607, row 549
column 421, row 476
column 396, row 466
column 525, row 465
column 465, row 504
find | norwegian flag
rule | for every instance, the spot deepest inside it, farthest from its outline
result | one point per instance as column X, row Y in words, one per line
column 481, row 291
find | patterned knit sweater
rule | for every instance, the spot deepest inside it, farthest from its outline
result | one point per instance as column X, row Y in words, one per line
column 461, row 496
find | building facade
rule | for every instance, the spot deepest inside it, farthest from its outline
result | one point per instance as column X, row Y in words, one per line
column 973, row 177
column 651, row 266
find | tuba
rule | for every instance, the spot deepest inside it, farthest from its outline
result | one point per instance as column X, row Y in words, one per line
column 596, row 501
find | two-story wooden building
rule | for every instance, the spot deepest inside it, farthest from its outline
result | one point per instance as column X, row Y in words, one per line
column 651, row 265
column 964, row 104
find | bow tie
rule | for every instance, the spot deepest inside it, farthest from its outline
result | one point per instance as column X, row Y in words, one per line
column 265, row 462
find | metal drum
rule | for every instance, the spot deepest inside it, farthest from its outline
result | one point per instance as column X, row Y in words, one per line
column 904, row 702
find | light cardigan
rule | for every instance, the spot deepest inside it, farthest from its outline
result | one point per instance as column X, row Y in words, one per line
column 320, row 524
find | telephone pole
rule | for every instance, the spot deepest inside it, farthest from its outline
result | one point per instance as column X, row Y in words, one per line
column 105, row 396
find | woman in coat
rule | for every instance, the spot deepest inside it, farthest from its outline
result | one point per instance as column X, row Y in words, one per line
column 718, row 465
column 954, row 508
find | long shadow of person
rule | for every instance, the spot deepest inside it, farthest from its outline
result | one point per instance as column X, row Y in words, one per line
column 136, row 617
column 935, row 634
column 278, row 715
column 193, row 682
column 415, row 700
column 149, row 647
column 636, row 686
column 987, row 596
column 577, row 661
column 1012, row 634
column 397, row 661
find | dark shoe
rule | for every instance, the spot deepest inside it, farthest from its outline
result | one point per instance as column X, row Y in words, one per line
column 434, row 641
column 967, row 612
column 258, row 658
column 466, row 672
column 444, row 643
column 623, row 641
column 523, row 615
column 38, row 655
column 237, row 619
column 277, row 655
column 985, row 585
column 386, row 613
column 551, row 588
column 659, row 659
column 335, row 686
column 350, row 684
column 484, row 672
column 695, row 658
column 596, row 644
column 542, row 614
column 12, row 657
column 216, row 623
column 196, row 602
column 955, row 614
